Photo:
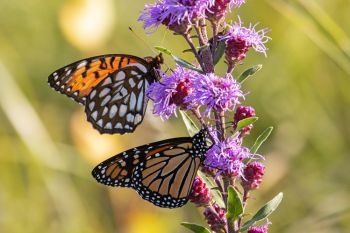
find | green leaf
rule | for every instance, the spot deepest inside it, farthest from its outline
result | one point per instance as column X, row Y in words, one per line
column 192, row 129
column 195, row 228
column 163, row 50
column 249, row 72
column 178, row 60
column 220, row 50
column 245, row 122
column 264, row 211
column 234, row 204
column 213, row 189
column 261, row 139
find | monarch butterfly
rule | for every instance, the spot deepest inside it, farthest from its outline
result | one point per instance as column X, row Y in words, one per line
column 112, row 87
column 161, row 172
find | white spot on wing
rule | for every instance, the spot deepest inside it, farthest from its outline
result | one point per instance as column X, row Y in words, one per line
column 106, row 100
column 130, row 117
column 92, row 94
column 105, row 110
column 138, row 119
column 132, row 82
column 122, row 110
column 132, row 102
column 139, row 104
column 100, row 123
column 91, row 105
column 104, row 92
column 83, row 63
column 113, row 111
column 108, row 125
column 118, row 126
column 94, row 115
column 120, row 76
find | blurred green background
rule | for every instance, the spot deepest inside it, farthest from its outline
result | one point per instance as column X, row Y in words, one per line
column 47, row 149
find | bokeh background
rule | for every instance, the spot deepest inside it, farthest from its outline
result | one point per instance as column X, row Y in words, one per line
column 47, row 149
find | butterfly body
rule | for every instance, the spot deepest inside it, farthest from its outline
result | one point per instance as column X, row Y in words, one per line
column 161, row 172
column 111, row 87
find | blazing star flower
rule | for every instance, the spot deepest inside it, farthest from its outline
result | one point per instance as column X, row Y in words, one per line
column 216, row 93
column 227, row 157
column 239, row 39
column 171, row 92
column 220, row 8
column 175, row 14
column 243, row 112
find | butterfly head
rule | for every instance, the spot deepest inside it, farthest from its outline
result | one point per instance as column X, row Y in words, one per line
column 156, row 61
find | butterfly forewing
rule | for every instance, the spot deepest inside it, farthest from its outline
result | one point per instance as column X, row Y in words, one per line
column 112, row 88
column 162, row 172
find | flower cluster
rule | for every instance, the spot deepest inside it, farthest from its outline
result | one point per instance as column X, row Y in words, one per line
column 196, row 87
column 189, row 89
column 227, row 157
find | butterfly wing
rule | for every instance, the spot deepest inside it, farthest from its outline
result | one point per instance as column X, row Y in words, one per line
column 162, row 172
column 78, row 79
column 118, row 104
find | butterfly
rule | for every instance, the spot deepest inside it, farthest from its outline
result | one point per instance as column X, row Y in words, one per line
column 161, row 172
column 112, row 88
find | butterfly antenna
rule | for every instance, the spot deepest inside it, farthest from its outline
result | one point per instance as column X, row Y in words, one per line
column 143, row 41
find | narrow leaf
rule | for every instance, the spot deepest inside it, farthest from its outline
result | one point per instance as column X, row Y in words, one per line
column 261, row 139
column 178, row 60
column 163, row 50
column 264, row 211
column 245, row 122
column 185, row 64
column 249, row 72
column 219, row 52
column 213, row 189
column 234, row 204
column 192, row 129
column 195, row 228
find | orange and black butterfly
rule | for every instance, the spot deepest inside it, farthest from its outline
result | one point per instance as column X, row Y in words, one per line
column 161, row 172
column 111, row 87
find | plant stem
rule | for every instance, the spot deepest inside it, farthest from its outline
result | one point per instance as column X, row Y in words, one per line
column 244, row 202
column 207, row 58
column 194, row 50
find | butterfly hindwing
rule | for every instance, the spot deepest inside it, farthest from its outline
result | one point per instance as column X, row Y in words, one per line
column 162, row 172
column 118, row 104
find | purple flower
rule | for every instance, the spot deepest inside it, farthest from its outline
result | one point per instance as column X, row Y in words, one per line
column 219, row 94
column 252, row 175
column 239, row 39
column 227, row 157
column 220, row 8
column 200, row 194
column 260, row 229
column 175, row 14
column 171, row 92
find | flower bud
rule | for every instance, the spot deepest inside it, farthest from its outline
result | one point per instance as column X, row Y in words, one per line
column 260, row 229
column 243, row 112
column 200, row 194
column 216, row 221
column 252, row 175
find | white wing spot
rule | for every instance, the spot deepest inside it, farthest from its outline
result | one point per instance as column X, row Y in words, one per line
column 107, row 81
column 132, row 102
column 108, row 125
column 93, row 93
column 106, row 100
column 100, row 123
column 104, row 92
column 122, row 110
column 118, row 126
column 94, row 115
column 132, row 82
column 91, row 105
column 83, row 63
column 120, row 76
column 130, row 117
column 113, row 111
column 138, row 118
column 105, row 110
column 140, row 66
